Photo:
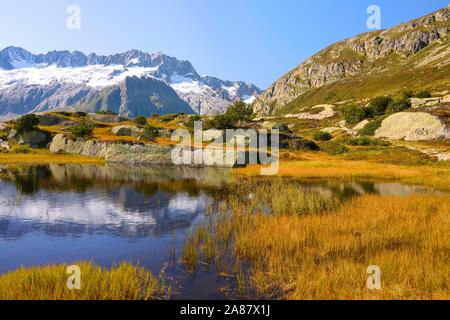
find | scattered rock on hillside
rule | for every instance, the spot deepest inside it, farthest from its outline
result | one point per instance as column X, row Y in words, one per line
column 413, row 126
column 327, row 112
column 4, row 145
column 106, row 118
column 361, row 125
column 127, row 131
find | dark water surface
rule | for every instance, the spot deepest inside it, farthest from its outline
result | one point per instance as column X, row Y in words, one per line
column 109, row 214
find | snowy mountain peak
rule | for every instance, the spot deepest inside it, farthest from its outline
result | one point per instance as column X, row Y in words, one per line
column 205, row 94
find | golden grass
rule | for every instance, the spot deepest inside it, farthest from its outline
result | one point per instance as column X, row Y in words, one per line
column 45, row 157
column 326, row 256
column 319, row 165
column 124, row 282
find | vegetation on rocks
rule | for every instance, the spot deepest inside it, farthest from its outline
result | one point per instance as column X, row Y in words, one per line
column 82, row 130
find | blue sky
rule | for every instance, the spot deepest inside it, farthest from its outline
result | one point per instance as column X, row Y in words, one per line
column 251, row 40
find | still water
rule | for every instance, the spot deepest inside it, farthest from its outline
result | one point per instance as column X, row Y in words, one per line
column 109, row 214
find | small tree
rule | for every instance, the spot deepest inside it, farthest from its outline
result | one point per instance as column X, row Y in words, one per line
column 140, row 121
column 424, row 94
column 82, row 130
column 353, row 114
column 150, row 132
column 398, row 106
column 26, row 123
column 322, row 136
column 379, row 105
column 191, row 121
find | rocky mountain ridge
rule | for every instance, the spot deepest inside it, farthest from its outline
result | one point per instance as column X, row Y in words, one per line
column 411, row 48
column 75, row 81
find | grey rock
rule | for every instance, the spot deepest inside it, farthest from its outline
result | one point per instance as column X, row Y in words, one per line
column 126, row 130
column 32, row 138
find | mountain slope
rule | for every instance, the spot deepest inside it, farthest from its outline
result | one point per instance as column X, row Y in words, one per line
column 73, row 80
column 413, row 55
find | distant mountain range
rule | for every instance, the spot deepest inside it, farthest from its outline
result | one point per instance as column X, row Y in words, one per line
column 131, row 83
column 412, row 56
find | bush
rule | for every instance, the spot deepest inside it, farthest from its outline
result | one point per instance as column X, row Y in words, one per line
column 406, row 94
column 150, row 132
column 236, row 113
column 322, row 136
column 83, row 130
column 366, row 142
column 191, row 121
column 424, row 94
column 352, row 114
column 398, row 106
column 140, row 121
column 379, row 105
column 107, row 112
column 371, row 127
column 21, row 149
column 334, row 148
column 26, row 123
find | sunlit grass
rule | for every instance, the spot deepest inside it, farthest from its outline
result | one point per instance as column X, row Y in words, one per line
column 41, row 156
column 124, row 282
column 320, row 165
column 325, row 255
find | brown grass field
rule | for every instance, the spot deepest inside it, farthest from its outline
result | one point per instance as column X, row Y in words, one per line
column 306, row 251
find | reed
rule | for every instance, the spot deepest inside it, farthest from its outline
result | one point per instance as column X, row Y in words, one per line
column 324, row 254
column 122, row 282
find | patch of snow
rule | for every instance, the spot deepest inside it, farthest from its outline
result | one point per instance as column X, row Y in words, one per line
column 249, row 99
column 95, row 76
column 187, row 85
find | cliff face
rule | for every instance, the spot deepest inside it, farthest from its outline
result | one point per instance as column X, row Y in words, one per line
column 420, row 44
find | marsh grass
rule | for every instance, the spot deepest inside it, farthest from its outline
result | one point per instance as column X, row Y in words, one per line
column 324, row 254
column 122, row 282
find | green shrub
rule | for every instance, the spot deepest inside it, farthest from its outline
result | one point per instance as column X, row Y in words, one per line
column 140, row 121
column 398, row 106
column 371, row 127
column 406, row 94
column 150, row 132
column 26, row 123
column 21, row 149
column 379, row 105
column 366, row 142
column 322, row 136
column 352, row 114
column 237, row 112
column 334, row 147
column 107, row 112
column 82, row 130
column 191, row 121
column 424, row 94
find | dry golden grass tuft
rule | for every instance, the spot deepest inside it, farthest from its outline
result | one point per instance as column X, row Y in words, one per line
column 124, row 282
column 326, row 255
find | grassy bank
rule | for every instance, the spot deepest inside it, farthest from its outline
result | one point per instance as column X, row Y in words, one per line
column 124, row 282
column 320, row 165
column 306, row 251
column 37, row 157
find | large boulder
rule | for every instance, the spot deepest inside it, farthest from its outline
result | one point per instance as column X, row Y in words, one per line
column 106, row 118
column 413, row 126
column 32, row 138
column 4, row 144
column 127, row 131
column 3, row 126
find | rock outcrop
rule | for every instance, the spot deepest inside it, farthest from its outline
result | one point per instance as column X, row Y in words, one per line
column 127, row 131
column 367, row 55
column 114, row 152
column 413, row 126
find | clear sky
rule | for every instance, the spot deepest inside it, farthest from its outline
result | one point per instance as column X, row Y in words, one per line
column 251, row 40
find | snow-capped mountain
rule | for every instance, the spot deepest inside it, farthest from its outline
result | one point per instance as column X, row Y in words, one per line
column 130, row 83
